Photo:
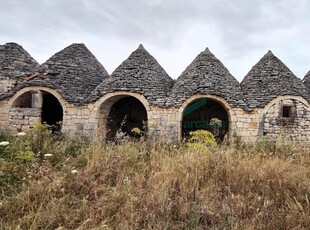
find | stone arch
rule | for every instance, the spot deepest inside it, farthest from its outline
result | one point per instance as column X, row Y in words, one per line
column 36, row 89
column 216, row 99
column 286, row 97
column 32, row 105
column 286, row 118
column 105, row 106
column 24, row 100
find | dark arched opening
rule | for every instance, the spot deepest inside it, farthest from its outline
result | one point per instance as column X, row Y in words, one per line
column 198, row 114
column 126, row 114
column 52, row 112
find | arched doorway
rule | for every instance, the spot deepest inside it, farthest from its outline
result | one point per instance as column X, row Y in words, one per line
column 126, row 114
column 34, row 105
column 198, row 115
column 52, row 112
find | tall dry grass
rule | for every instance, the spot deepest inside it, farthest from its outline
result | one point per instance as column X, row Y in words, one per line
column 161, row 186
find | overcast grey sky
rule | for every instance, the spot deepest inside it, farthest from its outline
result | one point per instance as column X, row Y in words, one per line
column 238, row 32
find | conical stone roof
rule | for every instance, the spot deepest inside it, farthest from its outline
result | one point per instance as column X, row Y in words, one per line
column 15, row 62
column 139, row 73
column 306, row 80
column 268, row 79
column 206, row 75
column 74, row 72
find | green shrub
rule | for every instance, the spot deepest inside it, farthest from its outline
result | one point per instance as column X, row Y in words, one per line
column 201, row 140
column 25, row 155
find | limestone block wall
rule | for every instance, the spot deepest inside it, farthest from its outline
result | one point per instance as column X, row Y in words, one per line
column 3, row 113
column 78, row 121
column 22, row 119
column 17, row 118
column 292, row 125
column 248, row 125
column 164, row 123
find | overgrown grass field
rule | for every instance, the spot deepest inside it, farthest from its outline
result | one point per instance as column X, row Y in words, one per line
column 50, row 182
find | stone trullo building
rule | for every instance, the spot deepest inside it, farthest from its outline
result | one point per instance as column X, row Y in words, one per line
column 74, row 92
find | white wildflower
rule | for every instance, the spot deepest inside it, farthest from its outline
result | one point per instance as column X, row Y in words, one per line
column 74, row 171
column 48, row 155
column 4, row 143
column 20, row 134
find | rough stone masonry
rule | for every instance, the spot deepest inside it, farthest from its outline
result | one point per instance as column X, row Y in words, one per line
column 73, row 88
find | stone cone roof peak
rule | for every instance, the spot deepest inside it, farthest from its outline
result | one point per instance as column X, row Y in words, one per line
column 139, row 73
column 74, row 72
column 12, row 44
column 74, row 54
column 206, row 75
column 15, row 61
column 207, row 51
column 268, row 79
column 269, row 52
column 141, row 47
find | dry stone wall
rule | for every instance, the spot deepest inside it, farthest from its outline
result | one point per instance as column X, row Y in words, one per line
column 22, row 119
column 87, row 92
column 165, row 123
column 293, row 128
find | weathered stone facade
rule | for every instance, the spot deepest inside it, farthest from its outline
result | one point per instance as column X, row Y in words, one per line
column 73, row 88
column 295, row 127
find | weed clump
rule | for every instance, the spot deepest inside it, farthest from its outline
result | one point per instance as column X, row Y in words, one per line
column 201, row 140
column 141, row 185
